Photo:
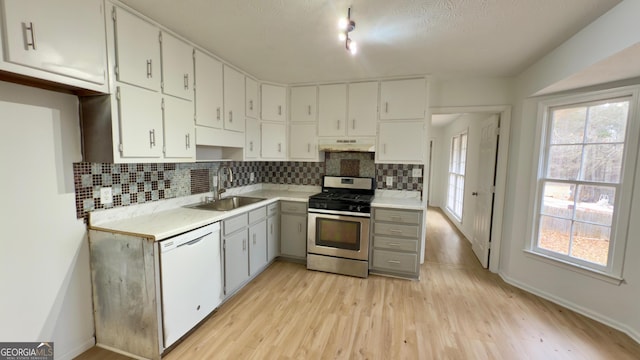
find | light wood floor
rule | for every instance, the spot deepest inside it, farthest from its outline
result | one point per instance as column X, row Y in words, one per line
column 456, row 311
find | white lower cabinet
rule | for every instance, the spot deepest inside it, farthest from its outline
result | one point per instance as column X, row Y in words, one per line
column 293, row 236
column 273, row 231
column 258, row 242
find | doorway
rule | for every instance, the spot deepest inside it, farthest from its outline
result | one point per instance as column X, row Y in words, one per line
column 484, row 180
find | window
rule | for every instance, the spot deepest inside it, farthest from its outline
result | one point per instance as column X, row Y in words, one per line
column 585, row 175
column 457, row 165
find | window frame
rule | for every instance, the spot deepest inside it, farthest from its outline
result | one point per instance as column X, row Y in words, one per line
column 622, row 211
column 457, row 173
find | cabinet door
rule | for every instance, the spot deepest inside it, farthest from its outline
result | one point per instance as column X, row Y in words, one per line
column 251, row 98
column 177, row 67
column 64, row 37
column 257, row 247
column 236, row 261
column 273, row 104
column 233, row 100
column 252, row 139
column 140, row 116
column 402, row 142
column 304, row 103
column 208, row 92
column 273, row 237
column 179, row 131
column 137, row 51
column 303, row 142
column 273, row 141
column 293, row 235
column 403, row 99
column 332, row 110
column 363, row 109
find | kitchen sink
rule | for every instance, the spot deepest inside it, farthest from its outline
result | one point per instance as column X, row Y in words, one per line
column 226, row 204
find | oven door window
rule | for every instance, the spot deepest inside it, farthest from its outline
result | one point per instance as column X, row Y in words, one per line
column 341, row 234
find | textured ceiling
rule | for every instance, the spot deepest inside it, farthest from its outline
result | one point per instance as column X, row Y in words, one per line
column 295, row 41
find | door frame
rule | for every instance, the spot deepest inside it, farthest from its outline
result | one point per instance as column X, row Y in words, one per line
column 501, row 170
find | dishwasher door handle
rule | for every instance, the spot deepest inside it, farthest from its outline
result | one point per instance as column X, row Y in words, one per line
column 195, row 241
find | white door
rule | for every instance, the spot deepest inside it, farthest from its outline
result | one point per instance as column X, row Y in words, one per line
column 140, row 113
column 485, row 189
column 252, row 139
column 303, row 143
column 332, row 110
column 179, row 132
column 208, row 92
column 363, row 109
column 234, row 94
column 177, row 67
column 303, row 103
column 273, row 141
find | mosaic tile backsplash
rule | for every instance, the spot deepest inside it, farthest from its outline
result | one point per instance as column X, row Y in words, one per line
column 140, row 183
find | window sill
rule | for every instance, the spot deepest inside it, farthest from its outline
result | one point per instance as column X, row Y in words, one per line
column 611, row 279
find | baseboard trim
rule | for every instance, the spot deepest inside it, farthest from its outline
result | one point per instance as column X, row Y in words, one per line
column 633, row 334
column 75, row 352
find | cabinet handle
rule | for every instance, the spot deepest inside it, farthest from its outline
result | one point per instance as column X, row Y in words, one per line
column 231, row 116
column 299, row 227
column 152, row 138
column 218, row 113
column 338, row 122
column 186, row 141
column 279, row 109
column 251, row 105
column 353, row 124
column 186, row 81
column 31, row 31
column 271, row 230
column 386, row 107
column 397, row 262
column 396, row 218
column 149, row 69
column 393, row 244
column 308, row 148
column 244, row 244
column 250, row 145
column 254, row 239
column 279, row 147
column 309, row 109
column 395, row 231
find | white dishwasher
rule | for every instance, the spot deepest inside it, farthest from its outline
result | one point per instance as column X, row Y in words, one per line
column 191, row 270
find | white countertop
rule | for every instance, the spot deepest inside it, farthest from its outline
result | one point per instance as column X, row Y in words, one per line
column 166, row 218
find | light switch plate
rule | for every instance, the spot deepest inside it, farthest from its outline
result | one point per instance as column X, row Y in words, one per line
column 252, row 177
column 416, row 173
column 106, row 195
column 389, row 181
column 215, row 181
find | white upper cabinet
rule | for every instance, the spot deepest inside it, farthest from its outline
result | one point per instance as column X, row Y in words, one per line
column 140, row 115
column 403, row 99
column 401, row 142
column 363, row 109
column 179, row 131
column 251, row 98
column 64, row 37
column 303, row 142
column 233, row 99
column 304, row 103
column 177, row 67
column 332, row 109
column 274, row 102
column 208, row 91
column 252, row 137
column 274, row 138
column 137, row 50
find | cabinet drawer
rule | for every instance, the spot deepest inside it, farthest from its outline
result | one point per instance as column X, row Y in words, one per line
column 398, row 216
column 411, row 231
column 294, row 207
column 272, row 209
column 380, row 242
column 389, row 260
column 257, row 214
column 235, row 223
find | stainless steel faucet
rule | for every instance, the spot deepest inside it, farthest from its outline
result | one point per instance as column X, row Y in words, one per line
column 220, row 188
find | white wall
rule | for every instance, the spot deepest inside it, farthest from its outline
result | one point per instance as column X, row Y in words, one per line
column 44, row 262
column 463, row 91
column 616, row 305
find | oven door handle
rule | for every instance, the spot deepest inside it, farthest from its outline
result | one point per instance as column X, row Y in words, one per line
column 341, row 213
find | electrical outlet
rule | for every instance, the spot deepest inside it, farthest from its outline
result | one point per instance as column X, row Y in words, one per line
column 106, row 196
column 215, row 181
column 389, row 181
column 416, row 173
column 252, row 177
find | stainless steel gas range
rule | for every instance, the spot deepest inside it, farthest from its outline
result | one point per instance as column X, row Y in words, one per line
column 339, row 220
